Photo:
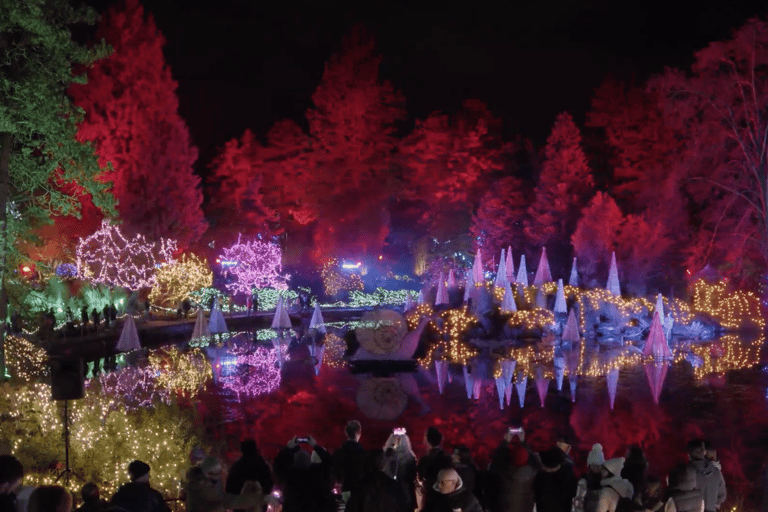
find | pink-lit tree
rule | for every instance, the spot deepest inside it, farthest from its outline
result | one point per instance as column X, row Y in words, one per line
column 108, row 256
column 255, row 373
column 257, row 264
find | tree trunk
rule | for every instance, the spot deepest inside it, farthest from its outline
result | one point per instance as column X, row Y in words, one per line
column 6, row 139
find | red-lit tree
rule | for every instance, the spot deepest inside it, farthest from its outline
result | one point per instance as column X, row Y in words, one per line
column 719, row 112
column 498, row 221
column 596, row 236
column 132, row 118
column 446, row 169
column 564, row 186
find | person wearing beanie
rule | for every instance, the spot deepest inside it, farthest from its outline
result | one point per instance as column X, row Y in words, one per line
column 432, row 462
column 588, row 489
column 512, row 474
column 613, row 487
column 250, row 467
column 205, row 490
column 555, row 484
column 137, row 495
column 709, row 477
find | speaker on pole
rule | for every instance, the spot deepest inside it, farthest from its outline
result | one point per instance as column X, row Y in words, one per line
column 67, row 379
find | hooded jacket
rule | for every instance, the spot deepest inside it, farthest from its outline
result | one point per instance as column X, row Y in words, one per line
column 685, row 496
column 710, row 481
column 613, row 489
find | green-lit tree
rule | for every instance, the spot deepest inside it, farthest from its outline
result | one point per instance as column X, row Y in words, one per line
column 40, row 158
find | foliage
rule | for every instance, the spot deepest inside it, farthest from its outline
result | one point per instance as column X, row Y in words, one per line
column 107, row 256
column 718, row 112
column 498, row 221
column 175, row 281
column 564, row 186
column 259, row 264
column 105, row 437
column 132, row 118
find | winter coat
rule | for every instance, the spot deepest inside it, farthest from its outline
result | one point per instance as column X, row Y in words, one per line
column 431, row 464
column 92, row 506
column 351, row 465
column 402, row 467
column 636, row 474
column 249, row 468
column 206, row 496
column 305, row 490
column 613, row 489
column 710, row 481
column 380, row 493
column 587, row 493
column 139, row 497
column 554, row 491
column 685, row 497
column 461, row 499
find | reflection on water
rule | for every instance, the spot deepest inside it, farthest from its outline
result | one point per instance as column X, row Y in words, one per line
column 615, row 397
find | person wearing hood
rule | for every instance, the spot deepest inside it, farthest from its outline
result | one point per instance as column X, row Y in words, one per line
column 514, row 475
column 451, row 495
column 614, row 488
column 683, row 494
column 137, row 495
column 588, row 488
column 205, row 490
column 709, row 478
column 555, row 484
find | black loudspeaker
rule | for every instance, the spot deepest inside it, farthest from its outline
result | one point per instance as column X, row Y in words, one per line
column 67, row 379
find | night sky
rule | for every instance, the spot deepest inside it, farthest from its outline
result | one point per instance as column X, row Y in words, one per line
column 245, row 64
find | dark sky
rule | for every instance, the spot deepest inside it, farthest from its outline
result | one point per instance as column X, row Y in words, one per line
column 248, row 63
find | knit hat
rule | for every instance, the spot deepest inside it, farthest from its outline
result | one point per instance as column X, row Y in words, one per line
column 210, row 465
column 596, row 456
column 614, row 465
column 137, row 469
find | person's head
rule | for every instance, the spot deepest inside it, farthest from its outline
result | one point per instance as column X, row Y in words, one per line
column 400, row 443
column 11, row 474
column 248, row 448
column 461, row 455
column 212, row 469
column 564, row 443
column 552, row 459
column 50, row 498
column 353, row 430
column 90, row 492
column 448, row 481
column 613, row 467
column 697, row 449
column 138, row 471
column 711, row 453
column 635, row 455
column 433, row 437
column 595, row 459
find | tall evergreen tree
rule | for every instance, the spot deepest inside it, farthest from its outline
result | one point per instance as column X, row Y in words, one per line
column 39, row 153
column 564, row 187
column 132, row 118
column 498, row 221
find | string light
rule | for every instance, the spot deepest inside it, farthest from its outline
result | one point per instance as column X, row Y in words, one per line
column 175, row 281
column 259, row 264
column 25, row 360
column 335, row 280
column 335, row 347
column 251, row 373
column 108, row 257
column 183, row 372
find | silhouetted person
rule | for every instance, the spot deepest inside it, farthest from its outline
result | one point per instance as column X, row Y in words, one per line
column 91, row 500
column 250, row 467
column 432, row 463
column 351, row 462
column 112, row 312
column 95, row 319
column 137, row 495
column 105, row 312
column 84, row 319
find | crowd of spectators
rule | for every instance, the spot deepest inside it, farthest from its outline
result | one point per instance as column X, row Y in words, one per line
column 305, row 477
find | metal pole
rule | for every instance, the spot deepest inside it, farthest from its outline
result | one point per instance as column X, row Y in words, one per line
column 66, row 439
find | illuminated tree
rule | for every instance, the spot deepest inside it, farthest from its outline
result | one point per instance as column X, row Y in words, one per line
column 132, row 118
column 446, row 169
column 498, row 221
column 257, row 264
column 564, row 186
column 175, row 281
column 39, row 153
column 107, row 256
column 719, row 111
